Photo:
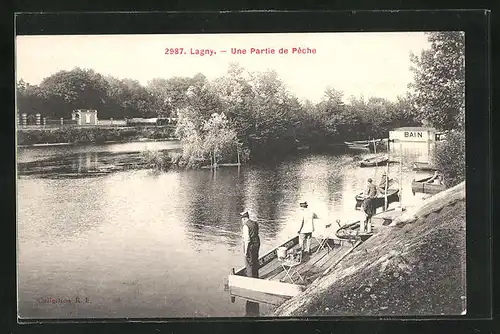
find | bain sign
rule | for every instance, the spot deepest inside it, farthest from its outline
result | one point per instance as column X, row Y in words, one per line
column 413, row 134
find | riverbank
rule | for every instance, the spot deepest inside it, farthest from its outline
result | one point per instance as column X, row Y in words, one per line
column 416, row 266
column 141, row 140
column 91, row 135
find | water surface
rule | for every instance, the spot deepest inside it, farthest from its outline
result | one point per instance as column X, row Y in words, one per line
column 137, row 243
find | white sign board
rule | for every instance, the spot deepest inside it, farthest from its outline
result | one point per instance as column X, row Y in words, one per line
column 408, row 135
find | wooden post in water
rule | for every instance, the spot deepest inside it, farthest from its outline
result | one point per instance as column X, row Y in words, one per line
column 387, row 177
column 400, row 173
column 238, row 153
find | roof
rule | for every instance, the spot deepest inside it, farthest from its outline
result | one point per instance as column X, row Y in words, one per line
column 414, row 128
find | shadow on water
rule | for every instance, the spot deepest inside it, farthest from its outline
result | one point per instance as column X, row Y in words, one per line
column 252, row 309
column 82, row 165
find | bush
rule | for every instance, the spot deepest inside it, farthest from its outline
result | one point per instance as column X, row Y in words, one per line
column 450, row 158
column 157, row 160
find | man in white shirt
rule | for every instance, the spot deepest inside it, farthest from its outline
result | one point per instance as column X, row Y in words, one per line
column 306, row 227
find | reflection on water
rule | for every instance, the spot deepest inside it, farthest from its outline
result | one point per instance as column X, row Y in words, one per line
column 85, row 161
column 252, row 309
column 143, row 244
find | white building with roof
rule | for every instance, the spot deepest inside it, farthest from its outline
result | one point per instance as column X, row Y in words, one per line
column 416, row 143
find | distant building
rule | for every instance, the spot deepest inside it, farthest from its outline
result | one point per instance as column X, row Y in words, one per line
column 85, row 116
column 413, row 134
column 415, row 143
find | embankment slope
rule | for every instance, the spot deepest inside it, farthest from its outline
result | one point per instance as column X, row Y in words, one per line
column 416, row 266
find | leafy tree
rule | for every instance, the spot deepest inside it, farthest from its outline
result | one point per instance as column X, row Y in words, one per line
column 439, row 80
column 169, row 95
column 75, row 89
column 450, row 157
column 219, row 138
column 29, row 99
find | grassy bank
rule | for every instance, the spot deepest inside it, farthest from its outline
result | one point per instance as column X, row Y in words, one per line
column 93, row 135
column 416, row 267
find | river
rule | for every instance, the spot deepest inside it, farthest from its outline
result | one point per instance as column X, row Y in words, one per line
column 131, row 242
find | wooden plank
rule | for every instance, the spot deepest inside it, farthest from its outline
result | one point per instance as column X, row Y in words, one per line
column 342, row 257
column 271, row 255
column 336, row 250
column 304, row 266
column 265, row 286
column 259, row 297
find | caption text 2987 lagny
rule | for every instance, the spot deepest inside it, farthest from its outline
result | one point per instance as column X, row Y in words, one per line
column 240, row 51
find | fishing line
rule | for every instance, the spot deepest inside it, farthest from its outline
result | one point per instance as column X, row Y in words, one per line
column 217, row 229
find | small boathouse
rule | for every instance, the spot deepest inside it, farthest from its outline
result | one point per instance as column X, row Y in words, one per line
column 417, row 142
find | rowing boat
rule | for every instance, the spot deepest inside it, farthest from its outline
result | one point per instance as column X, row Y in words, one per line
column 423, row 186
column 363, row 142
column 423, row 166
column 350, row 231
column 303, row 148
column 380, row 160
column 357, row 147
column 273, row 283
column 392, row 196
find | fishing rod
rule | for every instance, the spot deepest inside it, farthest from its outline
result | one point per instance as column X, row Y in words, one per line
column 218, row 229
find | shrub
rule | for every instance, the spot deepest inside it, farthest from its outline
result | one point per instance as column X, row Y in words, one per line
column 157, row 159
column 450, row 158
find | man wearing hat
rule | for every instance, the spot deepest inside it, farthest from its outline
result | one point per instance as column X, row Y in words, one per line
column 251, row 244
column 383, row 181
column 369, row 206
column 306, row 227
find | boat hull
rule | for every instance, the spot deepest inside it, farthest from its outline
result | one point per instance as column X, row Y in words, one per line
column 369, row 163
column 424, row 167
column 421, row 186
column 392, row 196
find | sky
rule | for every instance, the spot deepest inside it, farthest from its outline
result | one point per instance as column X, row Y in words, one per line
column 358, row 64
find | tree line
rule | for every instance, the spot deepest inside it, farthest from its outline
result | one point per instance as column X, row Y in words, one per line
column 255, row 111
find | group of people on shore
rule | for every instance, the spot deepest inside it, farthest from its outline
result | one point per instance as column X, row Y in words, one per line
column 251, row 240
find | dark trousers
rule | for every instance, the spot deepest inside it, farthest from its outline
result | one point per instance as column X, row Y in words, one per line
column 252, row 260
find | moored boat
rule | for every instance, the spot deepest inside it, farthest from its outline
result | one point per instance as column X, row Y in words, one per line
column 423, row 166
column 392, row 196
column 274, row 283
column 357, row 147
column 350, row 231
column 426, row 187
column 380, row 160
column 303, row 148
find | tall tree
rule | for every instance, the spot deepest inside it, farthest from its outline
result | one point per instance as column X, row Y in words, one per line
column 439, row 80
column 75, row 89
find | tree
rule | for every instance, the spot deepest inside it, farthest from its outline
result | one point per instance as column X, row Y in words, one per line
column 75, row 89
column 169, row 94
column 439, row 80
column 128, row 98
column 450, row 157
column 219, row 138
column 29, row 99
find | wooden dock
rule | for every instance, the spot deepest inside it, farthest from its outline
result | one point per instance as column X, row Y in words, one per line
column 272, row 286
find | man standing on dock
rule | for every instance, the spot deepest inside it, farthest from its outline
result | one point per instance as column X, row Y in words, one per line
column 369, row 207
column 306, row 227
column 251, row 244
